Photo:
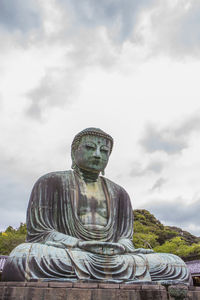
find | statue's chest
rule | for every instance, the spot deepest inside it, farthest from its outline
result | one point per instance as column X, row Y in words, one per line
column 92, row 204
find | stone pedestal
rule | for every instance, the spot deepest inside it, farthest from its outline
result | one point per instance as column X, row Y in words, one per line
column 92, row 291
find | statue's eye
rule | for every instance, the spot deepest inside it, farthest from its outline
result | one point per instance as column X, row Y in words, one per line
column 90, row 147
column 104, row 150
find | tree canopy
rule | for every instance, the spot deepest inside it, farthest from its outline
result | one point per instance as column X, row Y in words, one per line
column 150, row 233
column 11, row 238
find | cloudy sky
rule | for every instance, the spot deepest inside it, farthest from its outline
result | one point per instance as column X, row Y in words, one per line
column 130, row 67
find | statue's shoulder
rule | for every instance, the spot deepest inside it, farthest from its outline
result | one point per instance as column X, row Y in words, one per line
column 114, row 186
column 56, row 175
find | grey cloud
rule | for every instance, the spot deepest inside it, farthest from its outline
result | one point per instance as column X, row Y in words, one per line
column 176, row 213
column 13, row 202
column 158, row 184
column 19, row 14
column 162, row 140
column 137, row 170
column 191, row 124
column 155, row 166
column 34, row 110
column 114, row 14
column 170, row 140
column 89, row 48
column 11, row 217
column 54, row 90
column 175, row 28
column 1, row 102
column 14, row 195
column 179, row 27
column 190, row 31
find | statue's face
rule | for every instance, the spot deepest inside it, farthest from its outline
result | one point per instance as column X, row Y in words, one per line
column 92, row 153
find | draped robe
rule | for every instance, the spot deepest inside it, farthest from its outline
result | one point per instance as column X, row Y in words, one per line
column 54, row 228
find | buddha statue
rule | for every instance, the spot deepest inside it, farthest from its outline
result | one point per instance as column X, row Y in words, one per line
column 80, row 226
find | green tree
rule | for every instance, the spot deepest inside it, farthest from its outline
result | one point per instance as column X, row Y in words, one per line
column 150, row 233
column 11, row 238
column 179, row 247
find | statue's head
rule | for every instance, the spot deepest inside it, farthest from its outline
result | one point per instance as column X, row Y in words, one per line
column 90, row 150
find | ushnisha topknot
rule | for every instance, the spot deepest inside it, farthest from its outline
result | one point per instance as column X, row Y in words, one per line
column 90, row 131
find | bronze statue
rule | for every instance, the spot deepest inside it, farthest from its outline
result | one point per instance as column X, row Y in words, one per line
column 80, row 226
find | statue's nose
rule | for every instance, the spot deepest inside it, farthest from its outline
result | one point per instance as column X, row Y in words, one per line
column 97, row 154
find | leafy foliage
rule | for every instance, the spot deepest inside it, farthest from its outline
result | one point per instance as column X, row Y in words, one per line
column 150, row 233
column 11, row 238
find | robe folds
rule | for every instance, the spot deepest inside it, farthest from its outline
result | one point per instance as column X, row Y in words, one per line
column 54, row 229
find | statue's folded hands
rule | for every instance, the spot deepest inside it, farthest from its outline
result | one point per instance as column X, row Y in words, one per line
column 61, row 240
column 104, row 248
column 99, row 247
column 61, row 245
column 142, row 251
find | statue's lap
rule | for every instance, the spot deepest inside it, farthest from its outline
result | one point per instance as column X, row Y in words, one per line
column 44, row 261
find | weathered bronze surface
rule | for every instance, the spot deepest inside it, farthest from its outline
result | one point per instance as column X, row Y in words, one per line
column 80, row 226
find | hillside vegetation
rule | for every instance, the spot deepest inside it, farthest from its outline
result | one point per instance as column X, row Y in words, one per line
column 148, row 233
column 11, row 238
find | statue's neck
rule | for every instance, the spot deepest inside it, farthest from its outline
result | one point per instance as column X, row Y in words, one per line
column 87, row 176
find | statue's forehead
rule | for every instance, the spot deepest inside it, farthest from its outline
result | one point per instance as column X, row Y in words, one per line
column 96, row 139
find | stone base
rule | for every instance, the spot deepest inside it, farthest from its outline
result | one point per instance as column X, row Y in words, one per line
column 93, row 291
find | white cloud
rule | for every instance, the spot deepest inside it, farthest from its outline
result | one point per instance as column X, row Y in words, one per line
column 172, row 27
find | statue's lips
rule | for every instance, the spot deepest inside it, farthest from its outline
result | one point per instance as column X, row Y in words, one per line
column 96, row 161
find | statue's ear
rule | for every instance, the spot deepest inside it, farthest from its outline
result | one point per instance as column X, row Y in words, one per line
column 73, row 160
